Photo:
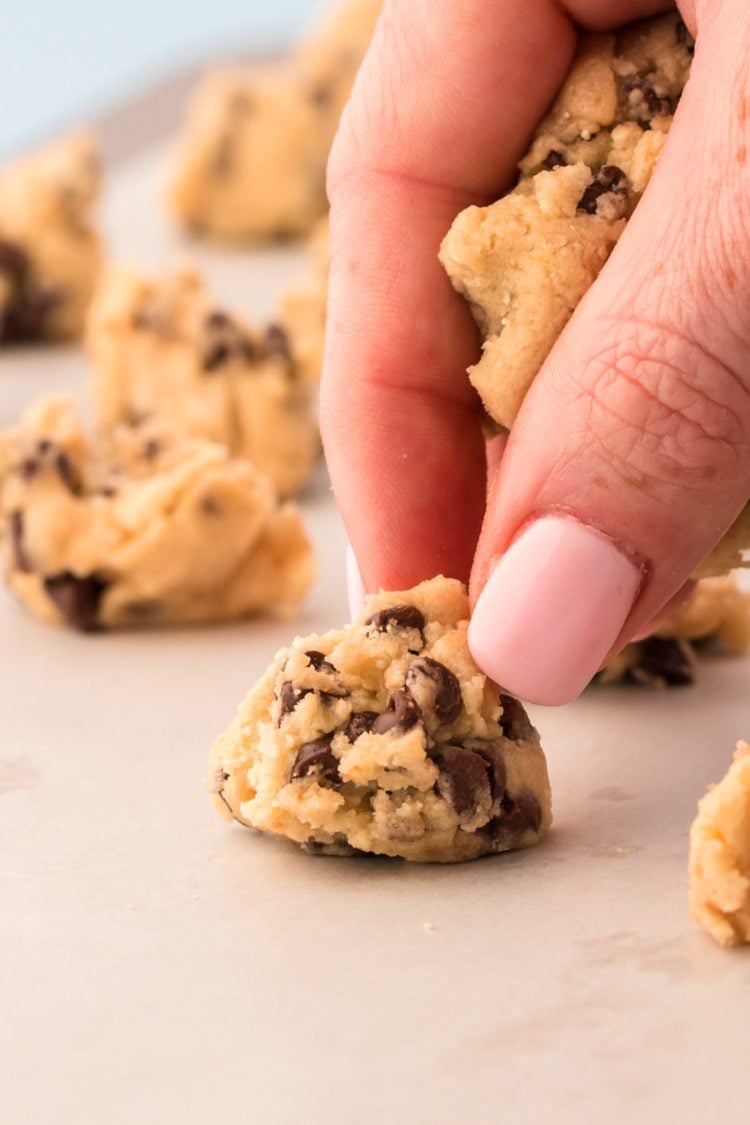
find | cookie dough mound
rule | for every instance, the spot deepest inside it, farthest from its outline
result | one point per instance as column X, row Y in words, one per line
column 253, row 155
column 302, row 308
column 720, row 855
column 161, row 347
column 50, row 253
column 384, row 737
column 526, row 261
column 716, row 614
column 147, row 529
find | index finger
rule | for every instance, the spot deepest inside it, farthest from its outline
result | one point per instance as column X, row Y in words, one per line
column 442, row 109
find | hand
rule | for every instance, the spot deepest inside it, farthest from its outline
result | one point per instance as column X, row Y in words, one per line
column 638, row 426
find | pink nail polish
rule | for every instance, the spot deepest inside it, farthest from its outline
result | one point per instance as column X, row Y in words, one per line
column 355, row 587
column 552, row 609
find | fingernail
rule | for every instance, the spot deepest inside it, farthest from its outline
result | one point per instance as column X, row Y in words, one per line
column 355, row 587
column 552, row 609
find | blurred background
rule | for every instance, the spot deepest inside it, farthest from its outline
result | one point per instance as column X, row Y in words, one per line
column 65, row 62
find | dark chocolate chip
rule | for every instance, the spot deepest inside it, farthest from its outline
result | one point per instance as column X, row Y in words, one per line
column 492, row 754
column 277, row 341
column 464, row 781
column 517, row 815
column 67, row 473
column 77, row 598
column 553, row 159
column 663, row 661
column 609, row 179
column 644, row 101
column 210, row 507
column 289, row 697
column 396, row 617
column 225, row 342
column 320, row 96
column 401, row 713
column 21, row 560
column 360, row 722
column 151, row 449
column 684, row 38
column 219, row 319
column 319, row 662
column 435, row 688
column 14, row 261
column 516, row 724
column 48, row 455
column 317, row 758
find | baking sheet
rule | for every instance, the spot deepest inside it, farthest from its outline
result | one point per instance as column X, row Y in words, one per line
column 158, row 965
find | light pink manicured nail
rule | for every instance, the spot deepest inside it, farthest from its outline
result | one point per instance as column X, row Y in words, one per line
column 355, row 587
column 552, row 609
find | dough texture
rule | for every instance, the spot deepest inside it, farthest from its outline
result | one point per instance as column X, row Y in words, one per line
column 385, row 738
column 145, row 529
column 720, row 855
column 253, row 154
column 50, row 252
column 160, row 347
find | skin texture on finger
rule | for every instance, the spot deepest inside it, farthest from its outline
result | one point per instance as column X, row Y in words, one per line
column 639, row 423
column 442, row 110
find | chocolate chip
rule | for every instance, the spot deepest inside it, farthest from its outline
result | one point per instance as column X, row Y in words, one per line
column 210, row 507
column 27, row 315
column 464, row 781
column 225, row 341
column 517, row 815
column 435, row 688
column 491, row 754
column 77, row 598
column 48, row 454
column 317, row 758
column 401, row 713
column 14, row 261
column 644, row 101
column 515, row 723
column 144, row 610
column 396, row 617
column 663, row 662
column 67, row 474
column 683, row 36
column 320, row 96
column 151, row 449
column 276, row 341
column 609, row 179
column 553, row 159
column 21, row 560
column 319, row 662
column 360, row 722
column 289, row 697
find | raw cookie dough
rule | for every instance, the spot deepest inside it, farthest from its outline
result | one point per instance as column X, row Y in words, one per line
column 161, row 347
column 720, row 855
column 253, row 154
column 50, row 253
column 149, row 530
column 717, row 613
column 384, row 737
column 302, row 308
column 526, row 261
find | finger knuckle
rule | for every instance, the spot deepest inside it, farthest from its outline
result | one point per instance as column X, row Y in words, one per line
column 659, row 404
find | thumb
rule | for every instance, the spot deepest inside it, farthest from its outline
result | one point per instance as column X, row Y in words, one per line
column 630, row 457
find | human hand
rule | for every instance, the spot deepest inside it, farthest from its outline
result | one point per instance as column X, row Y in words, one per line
column 637, row 428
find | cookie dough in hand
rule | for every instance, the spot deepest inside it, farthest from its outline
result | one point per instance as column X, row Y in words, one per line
column 385, row 738
column 146, row 529
column 161, row 348
column 50, row 251
column 720, row 855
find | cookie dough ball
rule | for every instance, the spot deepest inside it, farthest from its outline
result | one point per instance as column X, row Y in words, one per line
column 716, row 613
column 302, row 308
column 384, row 737
column 50, row 252
column 147, row 529
column 720, row 855
column 526, row 261
column 253, row 154
column 161, row 347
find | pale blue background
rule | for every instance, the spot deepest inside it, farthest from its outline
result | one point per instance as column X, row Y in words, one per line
column 63, row 60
